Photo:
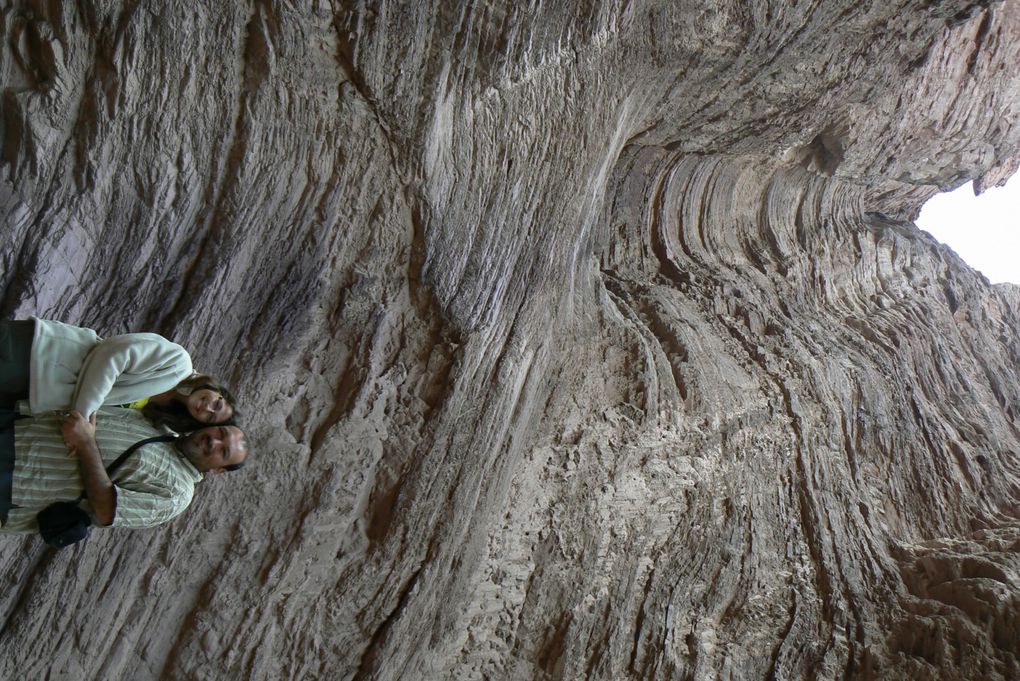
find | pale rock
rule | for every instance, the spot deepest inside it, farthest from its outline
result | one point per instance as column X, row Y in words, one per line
column 579, row 340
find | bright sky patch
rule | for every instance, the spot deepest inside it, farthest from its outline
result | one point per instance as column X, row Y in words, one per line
column 984, row 230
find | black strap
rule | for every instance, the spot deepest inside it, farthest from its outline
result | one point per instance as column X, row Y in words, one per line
column 131, row 450
column 7, row 418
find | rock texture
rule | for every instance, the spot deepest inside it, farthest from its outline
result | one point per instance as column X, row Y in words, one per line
column 580, row 340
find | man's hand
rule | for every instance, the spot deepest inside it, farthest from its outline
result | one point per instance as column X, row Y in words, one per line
column 78, row 432
column 80, row 438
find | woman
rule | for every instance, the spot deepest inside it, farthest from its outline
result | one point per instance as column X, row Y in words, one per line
column 197, row 401
column 56, row 366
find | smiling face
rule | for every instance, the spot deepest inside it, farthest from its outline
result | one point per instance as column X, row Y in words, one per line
column 214, row 447
column 208, row 406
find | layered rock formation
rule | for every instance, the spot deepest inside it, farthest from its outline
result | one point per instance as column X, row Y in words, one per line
column 579, row 340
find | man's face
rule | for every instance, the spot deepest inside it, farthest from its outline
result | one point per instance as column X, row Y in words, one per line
column 214, row 447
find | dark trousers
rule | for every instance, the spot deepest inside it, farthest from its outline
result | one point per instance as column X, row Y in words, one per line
column 15, row 355
column 7, row 417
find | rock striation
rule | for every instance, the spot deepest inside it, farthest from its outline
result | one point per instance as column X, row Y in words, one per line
column 580, row 340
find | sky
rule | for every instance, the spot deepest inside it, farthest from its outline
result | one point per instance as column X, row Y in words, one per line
column 983, row 230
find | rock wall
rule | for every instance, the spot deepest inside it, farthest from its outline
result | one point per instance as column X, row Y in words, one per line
column 579, row 340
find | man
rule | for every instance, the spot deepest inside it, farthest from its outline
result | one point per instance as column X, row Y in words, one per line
column 152, row 486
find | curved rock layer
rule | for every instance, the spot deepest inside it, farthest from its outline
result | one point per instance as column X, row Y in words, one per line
column 580, row 341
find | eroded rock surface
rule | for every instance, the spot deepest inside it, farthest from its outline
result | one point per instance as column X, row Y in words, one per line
column 579, row 340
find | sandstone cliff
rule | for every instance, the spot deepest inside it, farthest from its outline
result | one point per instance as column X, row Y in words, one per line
column 579, row 340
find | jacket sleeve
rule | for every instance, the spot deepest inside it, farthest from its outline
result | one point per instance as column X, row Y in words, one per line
column 129, row 367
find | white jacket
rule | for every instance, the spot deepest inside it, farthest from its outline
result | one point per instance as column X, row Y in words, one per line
column 73, row 368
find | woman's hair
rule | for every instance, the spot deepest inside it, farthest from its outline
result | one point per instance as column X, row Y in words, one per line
column 176, row 416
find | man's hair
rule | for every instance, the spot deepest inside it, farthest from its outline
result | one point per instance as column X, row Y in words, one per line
column 247, row 453
column 176, row 416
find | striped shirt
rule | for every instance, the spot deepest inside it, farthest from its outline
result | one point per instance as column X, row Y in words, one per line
column 152, row 486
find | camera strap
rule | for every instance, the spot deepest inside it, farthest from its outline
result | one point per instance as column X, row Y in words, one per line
column 128, row 452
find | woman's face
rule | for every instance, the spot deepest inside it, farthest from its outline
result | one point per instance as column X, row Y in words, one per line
column 208, row 406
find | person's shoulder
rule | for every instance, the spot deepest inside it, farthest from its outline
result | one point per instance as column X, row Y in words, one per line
column 150, row 344
column 52, row 329
column 126, row 419
column 162, row 461
column 188, row 476
column 142, row 337
column 126, row 414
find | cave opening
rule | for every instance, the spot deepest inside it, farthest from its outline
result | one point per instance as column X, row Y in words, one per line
column 984, row 230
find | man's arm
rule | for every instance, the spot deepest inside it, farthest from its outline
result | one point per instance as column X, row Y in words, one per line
column 80, row 436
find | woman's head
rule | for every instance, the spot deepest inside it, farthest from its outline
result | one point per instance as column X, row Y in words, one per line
column 209, row 406
column 200, row 400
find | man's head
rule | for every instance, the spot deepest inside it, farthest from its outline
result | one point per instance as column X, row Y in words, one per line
column 215, row 448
